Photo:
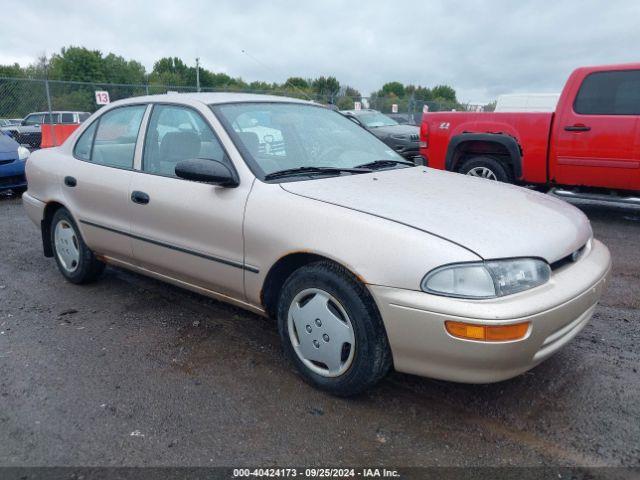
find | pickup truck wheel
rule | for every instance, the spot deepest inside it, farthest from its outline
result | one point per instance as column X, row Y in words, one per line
column 331, row 330
column 486, row 167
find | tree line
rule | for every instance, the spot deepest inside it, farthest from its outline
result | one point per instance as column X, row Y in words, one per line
column 79, row 64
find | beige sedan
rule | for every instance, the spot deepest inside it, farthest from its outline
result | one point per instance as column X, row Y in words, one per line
column 290, row 210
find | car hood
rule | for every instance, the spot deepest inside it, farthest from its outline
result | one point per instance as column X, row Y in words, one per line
column 493, row 220
column 396, row 130
column 8, row 144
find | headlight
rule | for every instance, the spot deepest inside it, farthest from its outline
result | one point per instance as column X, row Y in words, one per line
column 23, row 153
column 489, row 279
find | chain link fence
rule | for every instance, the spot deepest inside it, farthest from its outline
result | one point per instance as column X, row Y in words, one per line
column 21, row 98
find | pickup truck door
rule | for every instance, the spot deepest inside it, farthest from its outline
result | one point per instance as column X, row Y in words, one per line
column 597, row 137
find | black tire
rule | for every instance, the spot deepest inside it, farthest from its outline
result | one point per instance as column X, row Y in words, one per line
column 88, row 267
column 372, row 354
column 501, row 173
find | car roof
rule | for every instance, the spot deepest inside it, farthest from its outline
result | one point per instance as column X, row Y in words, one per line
column 209, row 98
column 55, row 111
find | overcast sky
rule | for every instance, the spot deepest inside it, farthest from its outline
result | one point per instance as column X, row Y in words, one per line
column 481, row 48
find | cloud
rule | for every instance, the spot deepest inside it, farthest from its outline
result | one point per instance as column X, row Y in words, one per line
column 481, row 48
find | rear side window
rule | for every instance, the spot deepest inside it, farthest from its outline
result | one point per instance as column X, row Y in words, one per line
column 51, row 118
column 83, row 116
column 66, row 118
column 82, row 150
column 609, row 93
column 115, row 139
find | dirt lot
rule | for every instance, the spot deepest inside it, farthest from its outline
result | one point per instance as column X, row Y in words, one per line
column 130, row 371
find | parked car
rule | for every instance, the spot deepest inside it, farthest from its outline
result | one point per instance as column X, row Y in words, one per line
column 404, row 139
column 29, row 131
column 12, row 161
column 7, row 122
column 365, row 261
column 403, row 118
column 591, row 140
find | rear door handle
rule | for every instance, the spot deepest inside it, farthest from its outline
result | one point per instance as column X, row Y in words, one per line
column 577, row 128
column 139, row 197
column 70, row 181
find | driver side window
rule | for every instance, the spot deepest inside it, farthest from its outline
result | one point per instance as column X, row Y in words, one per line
column 174, row 134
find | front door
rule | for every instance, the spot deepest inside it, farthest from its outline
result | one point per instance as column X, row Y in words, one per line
column 186, row 230
column 597, row 141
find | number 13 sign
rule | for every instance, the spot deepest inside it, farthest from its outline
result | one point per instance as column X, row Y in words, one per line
column 102, row 97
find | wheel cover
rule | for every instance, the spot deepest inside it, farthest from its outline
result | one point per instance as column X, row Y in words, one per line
column 321, row 332
column 67, row 246
column 483, row 172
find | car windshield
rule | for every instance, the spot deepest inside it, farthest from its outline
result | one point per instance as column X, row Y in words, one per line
column 375, row 119
column 280, row 136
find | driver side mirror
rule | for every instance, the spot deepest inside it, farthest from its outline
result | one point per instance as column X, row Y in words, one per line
column 207, row 171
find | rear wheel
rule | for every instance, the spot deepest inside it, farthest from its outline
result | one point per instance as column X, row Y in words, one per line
column 75, row 260
column 332, row 330
column 486, row 167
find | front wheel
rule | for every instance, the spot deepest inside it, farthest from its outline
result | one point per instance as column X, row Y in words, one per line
column 486, row 167
column 331, row 330
column 75, row 260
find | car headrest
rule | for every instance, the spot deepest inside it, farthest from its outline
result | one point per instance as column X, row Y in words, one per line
column 176, row 146
column 250, row 141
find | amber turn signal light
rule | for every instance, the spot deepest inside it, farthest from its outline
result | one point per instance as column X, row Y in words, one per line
column 487, row 333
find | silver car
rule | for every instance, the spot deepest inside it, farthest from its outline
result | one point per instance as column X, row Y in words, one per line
column 292, row 211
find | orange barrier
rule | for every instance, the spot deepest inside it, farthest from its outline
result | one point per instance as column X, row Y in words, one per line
column 55, row 135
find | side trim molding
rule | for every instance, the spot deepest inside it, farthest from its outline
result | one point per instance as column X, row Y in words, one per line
column 211, row 258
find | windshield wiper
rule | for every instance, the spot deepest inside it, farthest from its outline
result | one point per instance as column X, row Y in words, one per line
column 287, row 172
column 384, row 163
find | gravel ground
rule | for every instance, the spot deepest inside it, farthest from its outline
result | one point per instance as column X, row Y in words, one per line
column 130, row 371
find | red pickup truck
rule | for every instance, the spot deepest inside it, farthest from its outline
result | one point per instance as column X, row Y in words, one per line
column 591, row 140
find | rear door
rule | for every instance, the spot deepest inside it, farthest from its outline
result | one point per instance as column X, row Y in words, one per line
column 597, row 138
column 96, row 181
column 186, row 230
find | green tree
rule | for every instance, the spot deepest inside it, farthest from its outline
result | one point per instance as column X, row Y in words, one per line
column 395, row 88
column 296, row 82
column 78, row 64
column 328, row 86
column 444, row 92
column 119, row 70
column 14, row 71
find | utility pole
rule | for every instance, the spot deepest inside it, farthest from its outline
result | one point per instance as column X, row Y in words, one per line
column 198, row 73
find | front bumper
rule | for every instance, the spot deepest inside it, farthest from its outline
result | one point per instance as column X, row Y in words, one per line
column 557, row 311
column 11, row 173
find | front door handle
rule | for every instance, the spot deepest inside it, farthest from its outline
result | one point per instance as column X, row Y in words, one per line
column 70, row 181
column 139, row 197
column 578, row 127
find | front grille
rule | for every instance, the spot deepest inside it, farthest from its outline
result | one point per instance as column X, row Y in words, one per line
column 5, row 162
column 32, row 139
column 571, row 258
column 415, row 137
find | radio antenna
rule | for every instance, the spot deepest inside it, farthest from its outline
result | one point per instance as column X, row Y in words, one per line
column 267, row 67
